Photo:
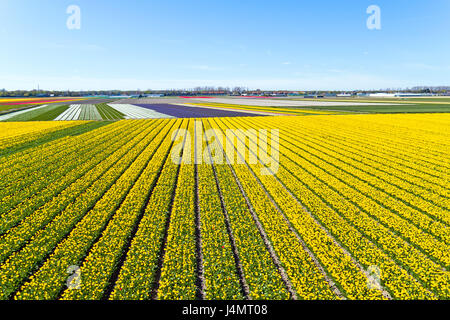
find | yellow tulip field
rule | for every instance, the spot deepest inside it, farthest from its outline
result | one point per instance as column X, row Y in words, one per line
column 326, row 206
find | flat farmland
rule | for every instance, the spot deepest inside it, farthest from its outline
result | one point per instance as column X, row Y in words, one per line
column 35, row 101
column 383, row 105
column 183, row 111
column 103, row 110
column 198, row 107
column 291, row 103
column 265, row 207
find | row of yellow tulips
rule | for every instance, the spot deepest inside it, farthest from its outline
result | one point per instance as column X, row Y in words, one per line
column 306, row 278
column 259, row 270
column 54, row 197
column 395, row 173
column 219, row 266
column 373, row 196
column 301, row 168
column 137, row 277
column 431, row 187
column 18, row 165
column 178, row 276
column 119, row 210
column 406, row 145
column 37, row 177
column 80, row 224
column 15, row 133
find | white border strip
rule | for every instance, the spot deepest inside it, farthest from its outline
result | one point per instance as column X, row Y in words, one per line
column 135, row 112
column 72, row 113
column 13, row 114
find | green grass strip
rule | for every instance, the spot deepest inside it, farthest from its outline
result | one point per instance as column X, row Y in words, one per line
column 51, row 114
column 8, row 108
column 105, row 113
column 44, row 114
column 109, row 113
column 35, row 115
column 112, row 113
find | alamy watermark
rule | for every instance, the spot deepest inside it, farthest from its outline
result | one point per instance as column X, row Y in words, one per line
column 374, row 20
column 74, row 20
column 74, row 280
column 374, row 278
column 238, row 146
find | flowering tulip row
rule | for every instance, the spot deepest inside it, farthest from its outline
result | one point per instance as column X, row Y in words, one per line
column 81, row 222
column 260, row 109
column 32, row 219
column 17, row 168
column 435, row 183
column 13, row 130
column 375, row 198
column 399, row 168
column 364, row 185
column 350, row 194
column 138, row 273
column 417, row 156
column 36, row 180
column 44, row 205
column 15, row 133
column 220, row 273
column 119, row 210
column 309, row 150
column 137, row 276
column 393, row 277
column 14, row 160
column 79, row 112
column 405, row 255
column 409, row 146
column 178, row 273
column 310, row 282
column 44, row 113
column 428, row 186
column 413, row 200
column 109, row 113
column 259, row 271
column 337, row 264
column 299, row 167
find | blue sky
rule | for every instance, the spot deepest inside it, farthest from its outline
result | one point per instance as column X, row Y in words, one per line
column 284, row 44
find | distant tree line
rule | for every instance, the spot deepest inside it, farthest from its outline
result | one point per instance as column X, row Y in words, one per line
column 208, row 91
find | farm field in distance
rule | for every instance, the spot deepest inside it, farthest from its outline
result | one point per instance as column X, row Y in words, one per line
column 183, row 199
column 169, row 107
column 399, row 105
